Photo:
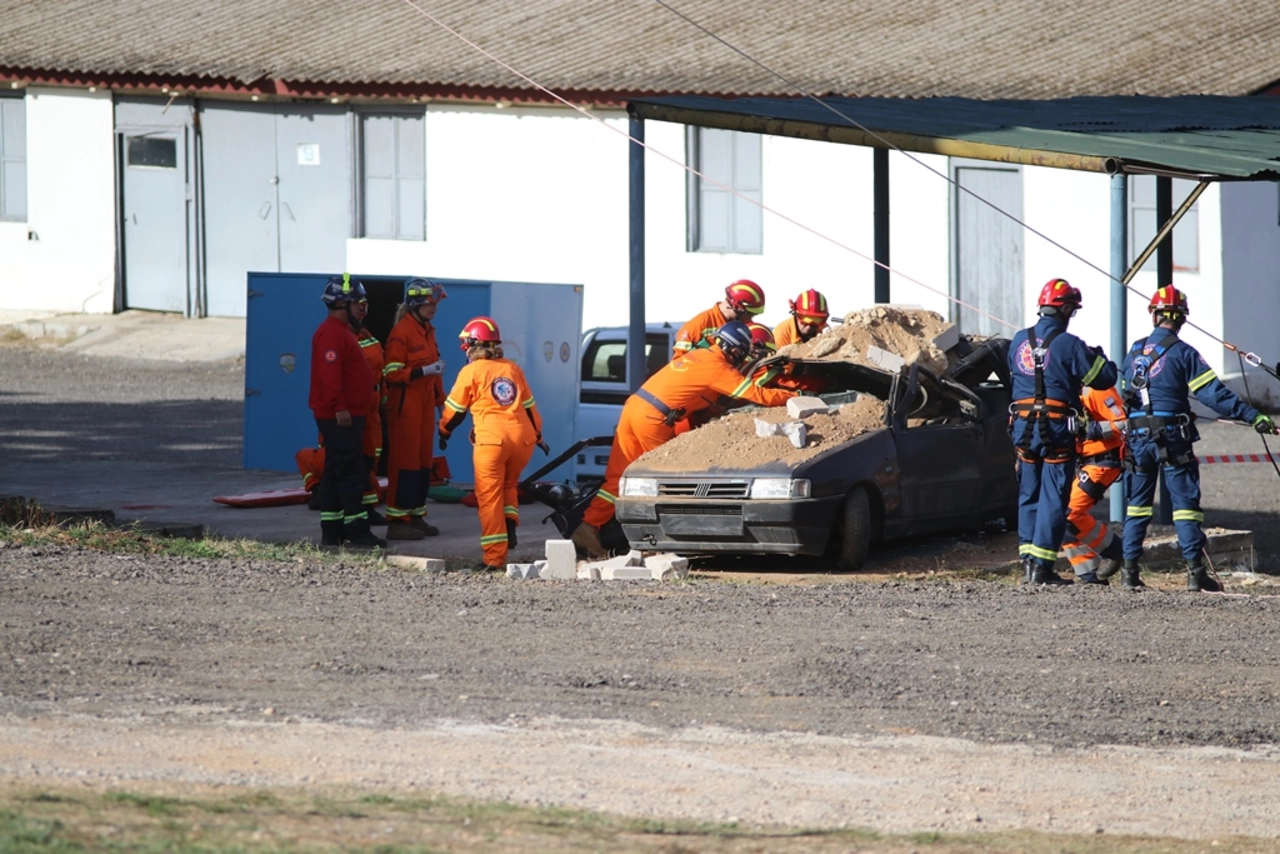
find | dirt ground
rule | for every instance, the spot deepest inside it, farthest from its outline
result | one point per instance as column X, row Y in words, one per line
column 916, row 696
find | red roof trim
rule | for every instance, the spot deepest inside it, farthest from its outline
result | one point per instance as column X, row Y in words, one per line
column 226, row 88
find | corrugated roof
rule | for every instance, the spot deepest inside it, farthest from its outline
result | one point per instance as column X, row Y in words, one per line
column 890, row 48
column 1219, row 137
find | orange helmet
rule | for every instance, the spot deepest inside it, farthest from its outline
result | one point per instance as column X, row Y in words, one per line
column 810, row 308
column 761, row 337
column 480, row 330
column 1169, row 300
column 745, row 296
column 1058, row 293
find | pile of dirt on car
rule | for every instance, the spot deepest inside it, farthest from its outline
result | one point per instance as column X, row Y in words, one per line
column 731, row 440
column 906, row 332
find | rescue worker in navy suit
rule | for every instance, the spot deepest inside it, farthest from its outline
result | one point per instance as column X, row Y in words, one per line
column 1049, row 366
column 1160, row 371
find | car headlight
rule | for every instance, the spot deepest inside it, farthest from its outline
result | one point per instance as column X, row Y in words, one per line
column 779, row 487
column 638, row 487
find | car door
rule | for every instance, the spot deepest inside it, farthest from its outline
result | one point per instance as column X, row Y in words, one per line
column 941, row 450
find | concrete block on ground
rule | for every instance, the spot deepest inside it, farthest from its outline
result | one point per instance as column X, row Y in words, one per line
column 766, row 428
column 797, row 432
column 524, row 571
column 589, row 571
column 667, row 567
column 562, row 560
column 625, row 573
column 891, row 362
column 421, row 564
column 799, row 407
column 947, row 338
column 631, row 558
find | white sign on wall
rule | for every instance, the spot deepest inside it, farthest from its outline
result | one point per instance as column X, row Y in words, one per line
column 308, row 154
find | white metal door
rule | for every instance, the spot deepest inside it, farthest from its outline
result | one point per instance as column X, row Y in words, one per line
column 313, row 162
column 987, row 248
column 154, row 205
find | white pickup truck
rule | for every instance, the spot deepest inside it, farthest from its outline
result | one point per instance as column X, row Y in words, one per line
column 604, row 384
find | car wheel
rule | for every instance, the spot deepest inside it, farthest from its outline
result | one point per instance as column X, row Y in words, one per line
column 855, row 530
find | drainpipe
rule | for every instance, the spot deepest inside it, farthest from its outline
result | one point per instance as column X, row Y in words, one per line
column 1164, row 276
column 1119, row 303
column 635, row 174
column 880, row 194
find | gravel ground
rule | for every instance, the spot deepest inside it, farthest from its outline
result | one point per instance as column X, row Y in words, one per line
column 899, row 699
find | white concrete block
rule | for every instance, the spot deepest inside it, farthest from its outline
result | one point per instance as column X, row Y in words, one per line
column 526, row 571
column 799, row 407
column 631, row 558
column 420, row 564
column 891, row 362
column 947, row 338
column 562, row 560
column 667, row 567
column 589, row 572
column 625, row 573
column 797, row 432
column 766, row 428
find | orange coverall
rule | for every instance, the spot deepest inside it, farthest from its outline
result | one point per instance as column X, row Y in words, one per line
column 1098, row 466
column 311, row 460
column 507, row 426
column 691, row 383
column 788, row 332
column 411, row 417
column 699, row 331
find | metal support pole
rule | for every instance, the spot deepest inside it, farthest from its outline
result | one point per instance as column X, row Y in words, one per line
column 1119, row 302
column 635, row 174
column 880, row 193
column 1164, row 276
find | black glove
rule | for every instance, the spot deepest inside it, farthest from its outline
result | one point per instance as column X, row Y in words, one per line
column 546, row 449
column 444, row 441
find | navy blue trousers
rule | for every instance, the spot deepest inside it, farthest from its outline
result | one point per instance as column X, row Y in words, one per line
column 1184, row 491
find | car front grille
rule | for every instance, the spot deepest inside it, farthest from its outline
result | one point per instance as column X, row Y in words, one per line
column 704, row 488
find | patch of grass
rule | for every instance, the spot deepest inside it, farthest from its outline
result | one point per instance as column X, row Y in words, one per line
column 209, row 820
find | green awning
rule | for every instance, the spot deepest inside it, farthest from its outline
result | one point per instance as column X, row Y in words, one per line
column 1205, row 137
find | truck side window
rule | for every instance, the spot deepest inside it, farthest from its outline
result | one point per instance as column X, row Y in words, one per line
column 605, row 362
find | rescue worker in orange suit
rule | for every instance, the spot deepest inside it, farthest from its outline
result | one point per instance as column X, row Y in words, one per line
column 743, row 300
column 1049, row 366
column 311, row 460
column 1093, row 548
column 506, row 428
column 683, row 387
column 809, row 316
column 415, row 393
column 340, row 396
column 777, row 376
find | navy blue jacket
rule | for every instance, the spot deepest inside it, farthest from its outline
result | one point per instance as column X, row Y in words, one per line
column 1171, row 378
column 1068, row 365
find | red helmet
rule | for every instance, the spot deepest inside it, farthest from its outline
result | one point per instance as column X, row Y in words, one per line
column 1058, row 293
column 745, row 296
column 1169, row 299
column 480, row 329
column 810, row 308
column 761, row 336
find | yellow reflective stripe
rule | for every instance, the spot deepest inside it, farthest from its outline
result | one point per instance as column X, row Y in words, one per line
column 368, row 342
column 356, row 516
column 1024, row 548
column 448, row 401
column 607, row 496
column 528, row 404
column 331, row 516
column 1098, row 364
column 768, row 377
column 742, row 387
column 493, row 538
column 1188, row 515
column 508, row 509
column 1137, row 512
column 1043, row 554
column 1202, row 380
column 391, row 366
column 684, row 345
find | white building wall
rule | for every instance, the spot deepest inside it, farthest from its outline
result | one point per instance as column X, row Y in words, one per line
column 63, row 258
column 1251, row 283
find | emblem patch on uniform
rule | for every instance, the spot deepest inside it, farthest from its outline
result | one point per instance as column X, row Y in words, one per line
column 1026, row 361
column 504, row 391
column 331, row 355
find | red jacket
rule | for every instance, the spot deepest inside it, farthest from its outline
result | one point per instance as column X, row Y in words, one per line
column 340, row 374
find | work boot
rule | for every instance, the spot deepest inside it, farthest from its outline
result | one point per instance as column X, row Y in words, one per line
column 1129, row 575
column 587, row 539
column 1110, row 560
column 1092, row 578
column 1028, row 568
column 511, row 533
column 375, row 518
column 421, row 524
column 1199, row 579
column 1043, row 574
column 331, row 533
column 399, row 530
column 364, row 538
